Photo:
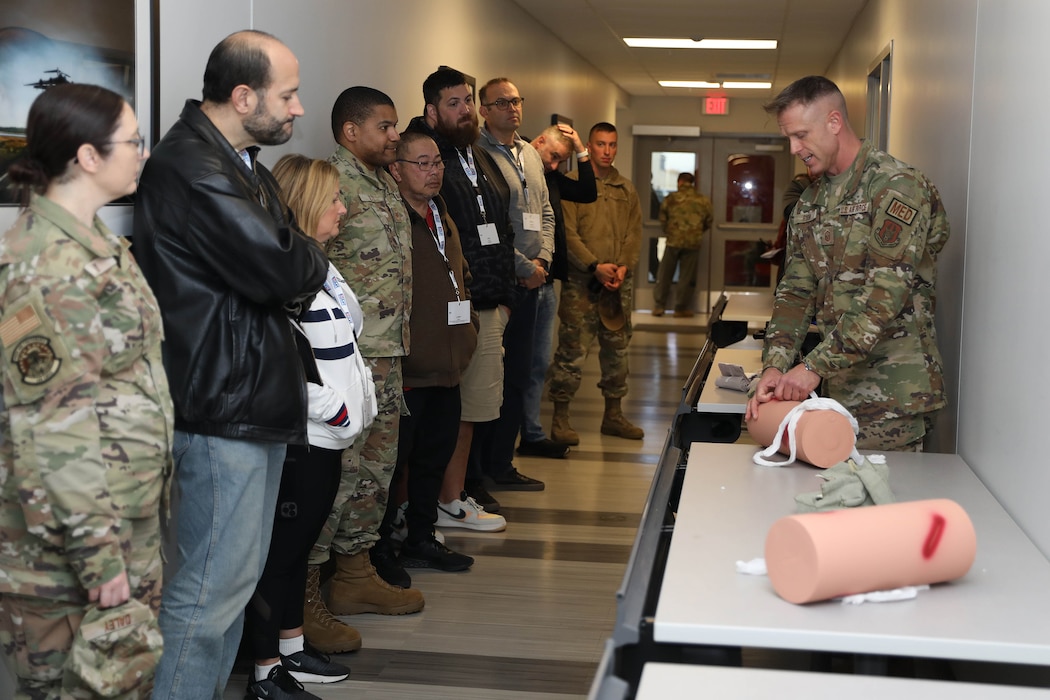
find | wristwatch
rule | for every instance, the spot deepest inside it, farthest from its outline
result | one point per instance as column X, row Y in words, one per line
column 592, row 268
column 809, row 367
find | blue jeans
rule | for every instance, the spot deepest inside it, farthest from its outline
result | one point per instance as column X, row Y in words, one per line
column 542, row 349
column 227, row 496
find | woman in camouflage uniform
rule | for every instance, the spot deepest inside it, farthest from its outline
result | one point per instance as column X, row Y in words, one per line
column 86, row 418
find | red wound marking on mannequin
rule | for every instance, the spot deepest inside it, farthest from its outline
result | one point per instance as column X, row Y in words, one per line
column 933, row 537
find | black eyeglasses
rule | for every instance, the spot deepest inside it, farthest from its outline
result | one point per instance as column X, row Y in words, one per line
column 139, row 143
column 503, row 105
column 425, row 165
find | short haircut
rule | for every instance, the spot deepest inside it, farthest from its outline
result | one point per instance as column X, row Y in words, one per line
column 486, row 86
column 601, row 126
column 553, row 133
column 356, row 104
column 686, row 177
column 307, row 185
column 61, row 120
column 407, row 139
column 806, row 91
column 441, row 79
column 239, row 59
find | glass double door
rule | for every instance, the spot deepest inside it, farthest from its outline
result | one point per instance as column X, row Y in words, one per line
column 745, row 178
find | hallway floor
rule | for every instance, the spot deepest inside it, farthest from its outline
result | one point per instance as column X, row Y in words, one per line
column 530, row 619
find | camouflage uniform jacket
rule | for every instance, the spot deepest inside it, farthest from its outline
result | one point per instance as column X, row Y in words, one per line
column 864, row 248
column 87, row 420
column 373, row 251
column 684, row 216
column 606, row 230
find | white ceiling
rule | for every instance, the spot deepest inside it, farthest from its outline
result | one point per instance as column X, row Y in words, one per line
column 809, row 33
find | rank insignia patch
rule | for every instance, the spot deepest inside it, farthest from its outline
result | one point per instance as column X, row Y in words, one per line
column 36, row 360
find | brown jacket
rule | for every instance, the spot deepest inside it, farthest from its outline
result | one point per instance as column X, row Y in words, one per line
column 440, row 352
column 607, row 230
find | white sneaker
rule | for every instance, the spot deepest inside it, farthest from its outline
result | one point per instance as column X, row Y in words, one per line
column 468, row 514
column 400, row 531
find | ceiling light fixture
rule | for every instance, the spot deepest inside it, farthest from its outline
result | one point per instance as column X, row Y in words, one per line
column 688, row 84
column 747, row 85
column 664, row 43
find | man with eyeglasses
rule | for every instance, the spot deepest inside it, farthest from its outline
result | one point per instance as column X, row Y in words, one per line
column 373, row 253
column 477, row 197
column 531, row 217
column 444, row 335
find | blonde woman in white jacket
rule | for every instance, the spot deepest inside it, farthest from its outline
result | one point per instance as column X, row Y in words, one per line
column 341, row 404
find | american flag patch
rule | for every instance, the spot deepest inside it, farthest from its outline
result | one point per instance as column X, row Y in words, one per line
column 18, row 325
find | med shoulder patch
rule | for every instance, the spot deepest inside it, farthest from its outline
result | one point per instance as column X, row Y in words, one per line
column 901, row 211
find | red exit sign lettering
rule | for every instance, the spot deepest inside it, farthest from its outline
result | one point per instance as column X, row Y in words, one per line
column 716, row 105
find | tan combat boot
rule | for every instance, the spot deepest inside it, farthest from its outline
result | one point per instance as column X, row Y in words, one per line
column 357, row 588
column 326, row 633
column 561, row 431
column 614, row 422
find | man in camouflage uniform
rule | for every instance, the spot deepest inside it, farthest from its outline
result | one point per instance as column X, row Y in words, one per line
column 684, row 215
column 603, row 242
column 86, row 426
column 373, row 253
column 863, row 242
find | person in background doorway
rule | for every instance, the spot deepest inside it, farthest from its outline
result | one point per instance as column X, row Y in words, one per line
column 685, row 217
column 863, row 243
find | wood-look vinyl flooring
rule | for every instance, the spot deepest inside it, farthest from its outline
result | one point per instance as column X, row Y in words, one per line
column 530, row 619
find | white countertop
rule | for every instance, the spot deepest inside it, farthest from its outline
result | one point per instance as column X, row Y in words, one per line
column 661, row 681
column 997, row 612
column 754, row 307
column 714, row 399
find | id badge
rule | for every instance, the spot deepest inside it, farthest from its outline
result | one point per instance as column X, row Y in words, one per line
column 531, row 222
column 458, row 313
column 488, row 234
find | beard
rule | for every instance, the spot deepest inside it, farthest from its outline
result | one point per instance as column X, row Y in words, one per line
column 463, row 133
column 264, row 129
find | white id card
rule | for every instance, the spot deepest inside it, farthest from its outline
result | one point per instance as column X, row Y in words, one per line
column 458, row 313
column 488, row 234
column 531, row 222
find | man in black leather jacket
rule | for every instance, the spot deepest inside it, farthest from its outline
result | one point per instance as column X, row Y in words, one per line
column 225, row 258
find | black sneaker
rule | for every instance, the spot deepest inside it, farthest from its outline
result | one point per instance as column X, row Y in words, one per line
column 386, row 565
column 279, row 685
column 431, row 554
column 481, row 495
column 515, row 481
column 543, row 448
column 311, row 666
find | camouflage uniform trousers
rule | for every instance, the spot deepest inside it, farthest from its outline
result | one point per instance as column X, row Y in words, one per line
column 903, row 434
column 36, row 634
column 368, row 467
column 686, row 259
column 579, row 325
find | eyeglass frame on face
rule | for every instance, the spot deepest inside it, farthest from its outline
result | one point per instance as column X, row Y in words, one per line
column 425, row 166
column 139, row 142
column 503, row 104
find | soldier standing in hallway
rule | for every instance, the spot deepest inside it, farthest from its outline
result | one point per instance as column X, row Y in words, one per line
column 372, row 252
column 604, row 240
column 685, row 216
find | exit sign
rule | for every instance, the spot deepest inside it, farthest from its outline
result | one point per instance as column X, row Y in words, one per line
column 716, row 105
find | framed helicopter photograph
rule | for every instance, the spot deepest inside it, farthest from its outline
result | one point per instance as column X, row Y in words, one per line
column 47, row 43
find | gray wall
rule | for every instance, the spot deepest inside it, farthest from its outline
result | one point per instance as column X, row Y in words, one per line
column 391, row 46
